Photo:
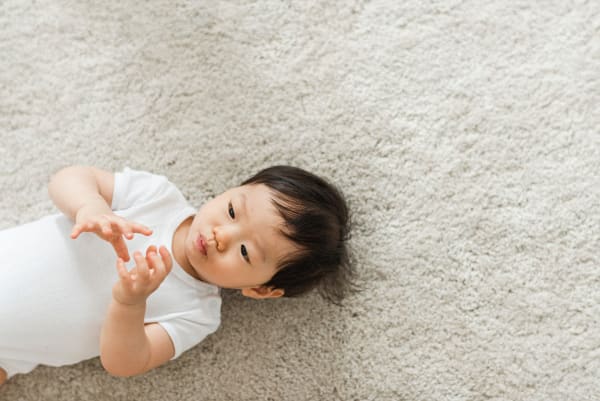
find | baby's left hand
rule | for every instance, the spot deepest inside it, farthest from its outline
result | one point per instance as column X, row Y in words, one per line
column 135, row 286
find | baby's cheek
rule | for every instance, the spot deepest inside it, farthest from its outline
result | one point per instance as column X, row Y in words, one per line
column 230, row 263
column 233, row 270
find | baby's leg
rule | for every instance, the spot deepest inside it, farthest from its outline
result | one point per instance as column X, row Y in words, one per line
column 2, row 376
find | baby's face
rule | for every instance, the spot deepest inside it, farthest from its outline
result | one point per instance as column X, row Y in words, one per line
column 235, row 240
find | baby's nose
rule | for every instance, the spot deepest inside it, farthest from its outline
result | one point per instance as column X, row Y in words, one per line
column 221, row 237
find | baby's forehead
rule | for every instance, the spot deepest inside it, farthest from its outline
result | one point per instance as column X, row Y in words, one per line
column 258, row 200
column 263, row 204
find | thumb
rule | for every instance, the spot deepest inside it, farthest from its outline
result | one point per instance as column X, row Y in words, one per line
column 75, row 232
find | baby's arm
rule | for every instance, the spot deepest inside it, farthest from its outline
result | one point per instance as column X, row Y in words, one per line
column 84, row 194
column 127, row 346
column 74, row 187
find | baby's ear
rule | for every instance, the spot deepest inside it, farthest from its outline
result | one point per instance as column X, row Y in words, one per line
column 262, row 292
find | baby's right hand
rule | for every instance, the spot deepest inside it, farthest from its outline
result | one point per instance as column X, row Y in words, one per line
column 111, row 228
column 136, row 285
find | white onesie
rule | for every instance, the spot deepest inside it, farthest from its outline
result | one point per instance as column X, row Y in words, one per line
column 55, row 291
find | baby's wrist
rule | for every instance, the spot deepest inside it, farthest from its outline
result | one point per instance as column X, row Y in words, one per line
column 130, row 303
column 92, row 207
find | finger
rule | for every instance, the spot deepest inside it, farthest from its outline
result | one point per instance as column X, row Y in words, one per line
column 166, row 258
column 81, row 227
column 88, row 227
column 151, row 248
column 158, row 265
column 120, row 225
column 142, row 267
column 120, row 231
column 121, row 248
column 140, row 229
column 105, row 228
column 123, row 274
column 150, row 254
column 76, row 231
column 117, row 228
column 126, row 230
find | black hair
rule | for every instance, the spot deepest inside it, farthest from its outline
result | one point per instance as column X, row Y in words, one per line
column 316, row 219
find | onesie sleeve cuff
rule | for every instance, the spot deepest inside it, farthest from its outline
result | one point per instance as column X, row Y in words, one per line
column 174, row 338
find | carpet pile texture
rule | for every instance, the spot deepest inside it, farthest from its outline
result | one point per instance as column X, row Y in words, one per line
column 465, row 135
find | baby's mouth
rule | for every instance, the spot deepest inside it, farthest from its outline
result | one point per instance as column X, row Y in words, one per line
column 201, row 244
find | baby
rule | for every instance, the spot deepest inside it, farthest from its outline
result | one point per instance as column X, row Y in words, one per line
column 281, row 233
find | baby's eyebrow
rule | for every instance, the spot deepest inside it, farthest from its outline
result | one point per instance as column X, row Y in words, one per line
column 243, row 196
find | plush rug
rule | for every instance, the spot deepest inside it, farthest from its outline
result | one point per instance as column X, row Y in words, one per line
column 465, row 135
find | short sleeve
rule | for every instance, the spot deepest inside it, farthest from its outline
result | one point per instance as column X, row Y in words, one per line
column 193, row 327
column 133, row 187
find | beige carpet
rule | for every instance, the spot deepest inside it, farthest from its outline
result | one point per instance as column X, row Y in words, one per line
column 465, row 134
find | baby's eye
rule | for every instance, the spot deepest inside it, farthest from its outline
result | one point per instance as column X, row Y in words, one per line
column 231, row 211
column 245, row 253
